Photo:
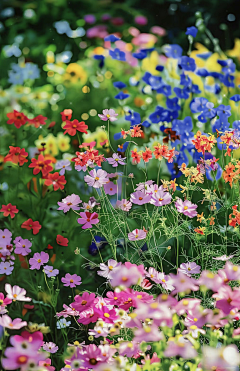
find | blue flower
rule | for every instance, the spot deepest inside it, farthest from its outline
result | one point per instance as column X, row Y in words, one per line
column 119, row 85
column 226, row 110
column 139, row 55
column 181, row 93
column 204, row 56
column 62, row 27
column 235, row 98
column 173, row 51
column 192, row 31
column 182, row 126
column 100, row 58
column 63, row 323
column 188, row 64
column 222, row 123
column 172, row 103
column 202, row 72
column 12, row 50
column 158, row 115
column 216, row 75
column 185, row 80
column 159, row 68
column 155, row 82
column 230, row 68
column 111, row 38
column 121, row 96
column 227, row 80
column 202, row 118
column 146, row 124
column 117, row 54
column 16, row 78
column 198, row 104
column 97, row 244
column 146, row 77
column 221, row 145
column 31, row 71
column 223, row 62
column 134, row 118
column 122, row 148
column 195, row 89
column 170, row 115
column 165, row 89
column 209, row 110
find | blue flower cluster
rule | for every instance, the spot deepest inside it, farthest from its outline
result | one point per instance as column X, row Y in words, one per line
column 19, row 74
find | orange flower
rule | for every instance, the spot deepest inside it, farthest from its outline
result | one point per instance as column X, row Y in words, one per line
column 16, row 155
column 200, row 230
column 17, row 118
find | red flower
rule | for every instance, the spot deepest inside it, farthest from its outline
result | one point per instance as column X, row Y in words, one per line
column 41, row 164
column 66, row 114
column 58, row 181
column 30, row 224
column 73, row 126
column 62, row 241
column 9, row 209
column 50, row 247
column 17, row 118
column 16, row 155
column 37, row 121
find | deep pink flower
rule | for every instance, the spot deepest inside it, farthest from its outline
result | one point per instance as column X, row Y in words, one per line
column 47, row 364
column 227, row 299
column 70, row 202
column 88, row 219
column 136, row 235
column 108, row 114
column 96, row 179
column 92, row 357
column 83, row 302
column 186, row 207
column 140, row 198
column 21, row 359
column 189, row 268
column 38, row 260
column 141, row 20
column 71, row 280
column 106, row 314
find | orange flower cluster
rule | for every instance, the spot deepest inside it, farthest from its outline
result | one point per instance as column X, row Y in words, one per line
column 234, row 218
column 203, row 143
column 230, row 140
column 160, row 152
column 231, row 172
column 135, row 132
column 193, row 173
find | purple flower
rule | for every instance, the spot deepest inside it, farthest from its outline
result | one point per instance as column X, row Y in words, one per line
column 38, row 260
column 161, row 198
column 22, row 246
column 90, row 18
column 63, row 165
column 186, row 208
column 5, row 237
column 49, row 271
column 96, row 179
column 50, row 347
column 108, row 114
column 140, row 198
column 88, row 219
column 6, row 268
column 71, row 280
column 70, row 202
column 110, row 188
column 115, row 160
column 136, row 235
column 189, row 268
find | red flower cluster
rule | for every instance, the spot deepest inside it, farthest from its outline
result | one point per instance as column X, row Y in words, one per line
column 37, row 121
column 234, row 218
column 160, row 152
column 203, row 143
column 16, row 155
column 71, row 127
column 90, row 155
column 41, row 164
column 17, row 118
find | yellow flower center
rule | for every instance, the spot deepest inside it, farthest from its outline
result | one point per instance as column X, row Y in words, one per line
column 185, row 207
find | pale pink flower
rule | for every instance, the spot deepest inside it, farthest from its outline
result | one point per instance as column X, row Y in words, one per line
column 220, row 358
column 124, row 205
column 186, row 208
column 96, row 179
column 210, row 280
column 224, row 258
column 98, row 331
column 161, row 198
column 50, row 347
column 180, row 347
column 125, row 277
column 7, row 322
column 16, row 293
column 108, row 270
column 189, row 268
column 137, row 235
column 148, row 333
column 140, row 198
column 108, row 114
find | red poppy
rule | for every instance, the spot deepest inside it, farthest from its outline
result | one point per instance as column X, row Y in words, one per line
column 41, row 164
column 73, row 126
column 16, row 155
column 30, row 224
column 58, row 181
column 62, row 241
column 16, row 118
column 37, row 121
column 9, row 209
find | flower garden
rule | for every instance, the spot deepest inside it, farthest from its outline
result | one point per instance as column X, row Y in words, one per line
column 119, row 196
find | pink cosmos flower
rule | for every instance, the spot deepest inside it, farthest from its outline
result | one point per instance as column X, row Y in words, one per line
column 106, row 314
column 83, row 302
column 141, row 20
column 5, row 237
column 224, row 257
column 220, row 358
column 108, row 270
column 107, row 353
column 67, row 312
column 148, row 333
column 124, row 205
column 38, row 260
column 92, row 357
column 50, row 347
column 137, row 235
column 227, row 299
column 186, row 208
column 71, row 280
column 70, row 202
column 22, row 246
column 186, row 304
column 27, row 343
column 161, row 198
column 110, row 188
column 16, row 293
column 183, row 283
column 158, row 30
column 88, row 316
column 140, row 267
column 7, row 322
column 164, row 280
column 140, row 198
column 210, row 280
column 125, row 277
column 116, row 160
column 88, row 219
column 180, row 347
column 144, row 186
column 49, row 271
column 108, row 114
column 21, row 360
column 96, row 179
column 189, row 268
column 128, row 348
column 98, row 331
column 231, row 271
column 47, row 364
column 197, row 316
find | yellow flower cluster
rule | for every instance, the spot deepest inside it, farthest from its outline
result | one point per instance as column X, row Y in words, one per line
column 53, row 144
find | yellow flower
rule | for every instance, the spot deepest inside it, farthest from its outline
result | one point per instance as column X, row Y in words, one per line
column 235, row 52
column 33, row 327
column 172, row 68
column 51, row 146
column 150, row 63
column 75, row 73
column 63, row 142
column 99, row 136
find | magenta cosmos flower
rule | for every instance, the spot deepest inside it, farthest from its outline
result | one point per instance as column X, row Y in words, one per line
column 70, row 202
column 136, row 235
column 186, row 208
column 71, row 280
column 108, row 114
column 38, row 260
column 116, row 160
column 124, row 205
column 161, row 198
column 92, row 357
column 22, row 246
column 189, row 268
column 96, row 179
column 88, row 219
column 140, row 198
